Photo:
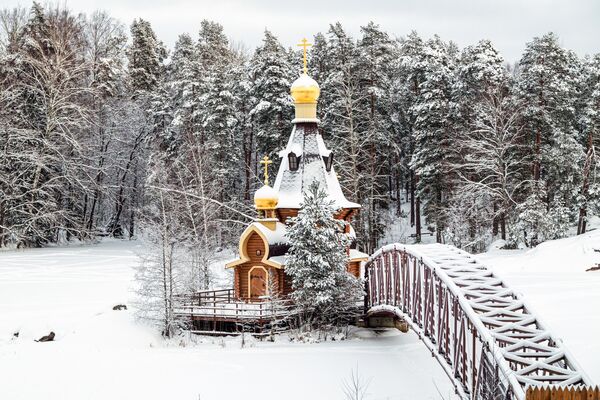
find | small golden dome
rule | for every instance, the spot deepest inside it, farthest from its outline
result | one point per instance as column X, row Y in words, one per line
column 305, row 90
column 266, row 198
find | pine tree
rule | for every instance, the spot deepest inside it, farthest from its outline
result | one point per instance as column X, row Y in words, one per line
column 431, row 133
column 411, row 75
column 549, row 85
column 145, row 57
column 485, row 133
column 317, row 261
column 375, row 52
column 145, row 72
column 589, row 199
column 272, row 76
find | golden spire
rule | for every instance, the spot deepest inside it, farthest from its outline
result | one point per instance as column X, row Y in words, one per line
column 266, row 162
column 266, row 198
column 305, row 92
column 305, row 45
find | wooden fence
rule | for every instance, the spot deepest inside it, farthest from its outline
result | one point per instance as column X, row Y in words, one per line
column 566, row 393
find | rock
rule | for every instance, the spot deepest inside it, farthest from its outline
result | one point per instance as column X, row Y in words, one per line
column 47, row 338
column 119, row 307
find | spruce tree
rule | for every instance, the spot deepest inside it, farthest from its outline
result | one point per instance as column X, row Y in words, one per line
column 317, row 261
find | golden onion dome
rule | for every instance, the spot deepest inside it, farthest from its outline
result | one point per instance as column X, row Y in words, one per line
column 266, row 198
column 305, row 90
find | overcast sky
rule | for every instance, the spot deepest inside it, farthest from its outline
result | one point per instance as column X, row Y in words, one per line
column 508, row 23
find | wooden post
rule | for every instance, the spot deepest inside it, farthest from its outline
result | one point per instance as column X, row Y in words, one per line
column 473, row 358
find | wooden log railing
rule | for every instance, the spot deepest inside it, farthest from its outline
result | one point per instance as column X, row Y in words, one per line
column 222, row 305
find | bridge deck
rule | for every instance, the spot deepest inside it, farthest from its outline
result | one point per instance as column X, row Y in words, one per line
column 486, row 337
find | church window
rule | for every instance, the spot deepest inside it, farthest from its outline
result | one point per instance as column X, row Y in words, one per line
column 328, row 160
column 293, row 161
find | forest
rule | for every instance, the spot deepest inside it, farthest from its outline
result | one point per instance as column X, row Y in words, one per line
column 104, row 131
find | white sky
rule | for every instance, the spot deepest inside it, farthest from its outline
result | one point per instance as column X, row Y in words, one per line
column 508, row 23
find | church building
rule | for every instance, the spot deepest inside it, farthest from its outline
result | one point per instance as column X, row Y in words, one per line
column 260, row 268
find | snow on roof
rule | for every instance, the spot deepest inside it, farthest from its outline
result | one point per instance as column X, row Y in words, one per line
column 323, row 150
column 278, row 259
column 273, row 237
column 358, row 255
column 293, row 148
column 291, row 184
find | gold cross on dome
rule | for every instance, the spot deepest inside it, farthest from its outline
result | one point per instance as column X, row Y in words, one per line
column 266, row 162
column 305, row 45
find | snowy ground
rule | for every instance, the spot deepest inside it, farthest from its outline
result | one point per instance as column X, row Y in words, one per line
column 104, row 354
column 554, row 280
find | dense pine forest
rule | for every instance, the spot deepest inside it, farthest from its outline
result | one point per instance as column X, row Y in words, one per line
column 104, row 131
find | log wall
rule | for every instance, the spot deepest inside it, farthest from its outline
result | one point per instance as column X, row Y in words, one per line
column 354, row 269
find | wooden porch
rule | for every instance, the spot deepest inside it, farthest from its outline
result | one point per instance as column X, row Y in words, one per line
column 218, row 312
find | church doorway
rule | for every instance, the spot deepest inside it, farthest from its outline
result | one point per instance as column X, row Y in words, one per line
column 258, row 279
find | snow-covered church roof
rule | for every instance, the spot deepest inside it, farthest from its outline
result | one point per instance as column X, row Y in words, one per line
column 306, row 142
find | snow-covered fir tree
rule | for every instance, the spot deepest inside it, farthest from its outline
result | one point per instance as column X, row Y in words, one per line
column 323, row 290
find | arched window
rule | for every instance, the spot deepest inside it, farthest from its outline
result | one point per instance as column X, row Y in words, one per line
column 293, row 161
column 328, row 160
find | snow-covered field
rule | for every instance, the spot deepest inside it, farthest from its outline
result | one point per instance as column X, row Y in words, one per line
column 104, row 354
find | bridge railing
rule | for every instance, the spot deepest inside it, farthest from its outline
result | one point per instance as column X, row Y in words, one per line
column 481, row 332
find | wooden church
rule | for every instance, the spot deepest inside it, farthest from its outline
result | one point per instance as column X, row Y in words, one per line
column 260, row 268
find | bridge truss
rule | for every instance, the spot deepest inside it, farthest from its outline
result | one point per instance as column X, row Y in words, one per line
column 483, row 334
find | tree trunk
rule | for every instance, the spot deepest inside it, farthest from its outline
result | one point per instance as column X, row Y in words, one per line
column 412, row 200
column 495, row 221
column 589, row 161
column 418, row 220
column 134, row 203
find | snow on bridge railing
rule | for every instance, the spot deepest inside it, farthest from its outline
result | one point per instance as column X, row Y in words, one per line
column 486, row 338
